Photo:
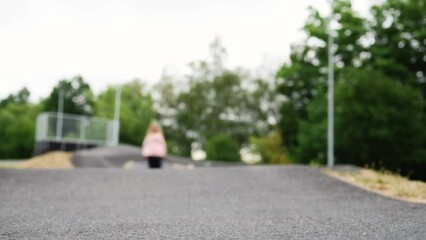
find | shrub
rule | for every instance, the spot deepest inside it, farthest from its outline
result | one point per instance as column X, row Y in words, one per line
column 378, row 121
column 222, row 148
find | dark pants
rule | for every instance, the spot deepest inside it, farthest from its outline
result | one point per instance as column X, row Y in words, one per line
column 155, row 162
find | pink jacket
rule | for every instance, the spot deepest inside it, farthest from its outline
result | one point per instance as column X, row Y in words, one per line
column 154, row 145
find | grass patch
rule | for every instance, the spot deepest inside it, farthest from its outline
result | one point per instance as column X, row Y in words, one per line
column 385, row 183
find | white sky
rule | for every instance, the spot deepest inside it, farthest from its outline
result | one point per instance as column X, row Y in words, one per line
column 109, row 42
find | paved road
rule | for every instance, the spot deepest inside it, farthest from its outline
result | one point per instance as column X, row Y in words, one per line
column 291, row 202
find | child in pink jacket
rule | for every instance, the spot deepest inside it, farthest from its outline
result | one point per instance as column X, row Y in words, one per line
column 154, row 147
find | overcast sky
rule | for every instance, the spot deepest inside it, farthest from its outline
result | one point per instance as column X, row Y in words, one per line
column 110, row 42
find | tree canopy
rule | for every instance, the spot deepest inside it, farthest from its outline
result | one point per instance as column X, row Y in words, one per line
column 17, row 125
column 77, row 97
column 391, row 41
column 214, row 100
column 380, row 86
column 136, row 110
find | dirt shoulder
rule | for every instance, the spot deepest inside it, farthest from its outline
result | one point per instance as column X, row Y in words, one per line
column 52, row 160
column 384, row 183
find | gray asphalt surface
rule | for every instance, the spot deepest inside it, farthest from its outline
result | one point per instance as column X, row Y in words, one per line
column 246, row 202
column 117, row 156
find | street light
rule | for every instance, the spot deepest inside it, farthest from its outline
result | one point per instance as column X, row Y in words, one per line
column 59, row 113
column 117, row 106
column 330, row 130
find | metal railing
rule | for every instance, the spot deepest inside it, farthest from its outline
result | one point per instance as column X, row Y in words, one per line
column 69, row 128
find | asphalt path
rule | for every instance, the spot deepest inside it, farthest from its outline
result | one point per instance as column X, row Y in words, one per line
column 240, row 202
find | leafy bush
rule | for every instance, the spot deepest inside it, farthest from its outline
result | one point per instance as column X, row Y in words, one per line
column 378, row 121
column 17, row 129
column 222, row 148
column 270, row 148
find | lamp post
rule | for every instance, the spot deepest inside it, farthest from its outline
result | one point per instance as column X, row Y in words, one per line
column 117, row 106
column 330, row 129
column 59, row 114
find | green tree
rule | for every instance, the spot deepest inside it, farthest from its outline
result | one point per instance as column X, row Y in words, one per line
column 214, row 99
column 391, row 122
column 379, row 121
column 304, row 77
column 222, row 147
column 17, row 125
column 77, row 96
column 391, row 41
column 222, row 104
column 21, row 97
column 399, row 49
column 312, row 136
column 136, row 111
